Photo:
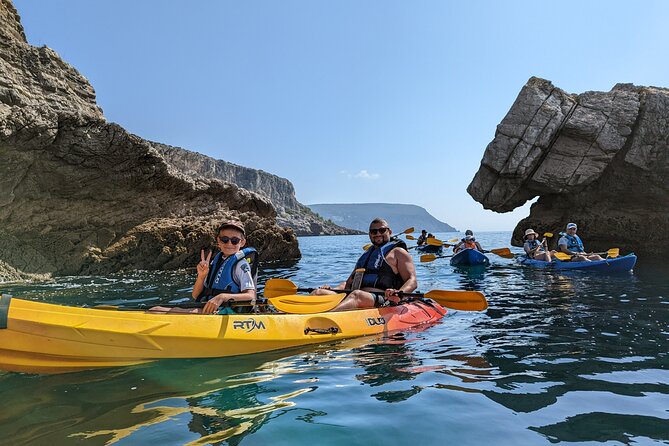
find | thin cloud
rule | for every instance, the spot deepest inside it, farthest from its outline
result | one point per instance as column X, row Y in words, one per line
column 364, row 175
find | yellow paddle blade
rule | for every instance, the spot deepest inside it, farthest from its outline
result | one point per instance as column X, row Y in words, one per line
column 503, row 252
column 279, row 287
column 407, row 231
column 411, row 237
column 453, row 240
column 367, row 246
column 434, row 241
column 459, row 300
column 428, row 258
column 300, row 304
column 562, row 256
column 613, row 252
column 548, row 234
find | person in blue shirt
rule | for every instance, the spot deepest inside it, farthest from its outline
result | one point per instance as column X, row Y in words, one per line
column 571, row 244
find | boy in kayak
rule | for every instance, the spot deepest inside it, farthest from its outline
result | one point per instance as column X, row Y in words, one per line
column 571, row 244
column 535, row 249
column 385, row 269
column 229, row 276
column 468, row 242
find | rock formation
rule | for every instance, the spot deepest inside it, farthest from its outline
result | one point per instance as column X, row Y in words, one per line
column 279, row 191
column 600, row 159
column 79, row 195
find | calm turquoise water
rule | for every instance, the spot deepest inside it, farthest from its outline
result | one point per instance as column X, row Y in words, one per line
column 557, row 358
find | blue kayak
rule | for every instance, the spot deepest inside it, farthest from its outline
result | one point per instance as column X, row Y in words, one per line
column 469, row 257
column 615, row 264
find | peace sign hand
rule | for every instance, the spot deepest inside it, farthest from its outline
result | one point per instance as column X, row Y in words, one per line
column 203, row 266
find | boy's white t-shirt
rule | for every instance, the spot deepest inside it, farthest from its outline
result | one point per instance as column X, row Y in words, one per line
column 243, row 276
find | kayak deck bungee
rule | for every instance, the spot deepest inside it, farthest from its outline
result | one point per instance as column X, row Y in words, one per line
column 39, row 337
column 469, row 257
column 616, row 264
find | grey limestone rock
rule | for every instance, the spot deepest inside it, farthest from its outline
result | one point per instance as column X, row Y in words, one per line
column 600, row 159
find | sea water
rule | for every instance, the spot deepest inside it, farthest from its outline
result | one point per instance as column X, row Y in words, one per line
column 570, row 358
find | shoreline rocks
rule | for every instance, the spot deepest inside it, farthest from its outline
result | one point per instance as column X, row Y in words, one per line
column 80, row 195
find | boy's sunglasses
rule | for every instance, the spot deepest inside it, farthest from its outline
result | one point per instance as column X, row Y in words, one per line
column 233, row 240
column 378, row 231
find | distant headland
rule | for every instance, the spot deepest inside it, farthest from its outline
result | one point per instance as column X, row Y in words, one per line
column 399, row 216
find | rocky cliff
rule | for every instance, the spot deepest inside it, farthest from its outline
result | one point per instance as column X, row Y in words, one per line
column 279, row 191
column 399, row 216
column 600, row 159
column 79, row 195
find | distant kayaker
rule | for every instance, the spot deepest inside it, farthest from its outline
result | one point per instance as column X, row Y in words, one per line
column 571, row 244
column 534, row 248
column 385, row 267
column 229, row 276
column 468, row 242
column 422, row 238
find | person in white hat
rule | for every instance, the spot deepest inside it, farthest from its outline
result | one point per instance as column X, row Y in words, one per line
column 468, row 242
column 535, row 249
column 571, row 244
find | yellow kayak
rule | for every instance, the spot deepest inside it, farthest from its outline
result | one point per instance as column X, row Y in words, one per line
column 38, row 337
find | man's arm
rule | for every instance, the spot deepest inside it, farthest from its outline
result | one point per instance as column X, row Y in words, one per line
column 406, row 269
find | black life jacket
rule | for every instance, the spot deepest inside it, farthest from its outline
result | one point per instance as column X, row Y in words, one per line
column 378, row 274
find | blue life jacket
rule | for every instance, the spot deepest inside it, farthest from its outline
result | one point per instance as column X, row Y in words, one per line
column 378, row 274
column 533, row 243
column 574, row 242
column 220, row 278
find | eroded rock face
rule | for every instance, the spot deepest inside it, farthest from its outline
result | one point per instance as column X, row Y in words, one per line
column 279, row 191
column 79, row 195
column 600, row 159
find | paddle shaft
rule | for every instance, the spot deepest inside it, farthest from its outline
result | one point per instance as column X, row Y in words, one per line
column 378, row 293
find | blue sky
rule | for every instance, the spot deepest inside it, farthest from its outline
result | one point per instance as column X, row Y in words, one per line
column 352, row 101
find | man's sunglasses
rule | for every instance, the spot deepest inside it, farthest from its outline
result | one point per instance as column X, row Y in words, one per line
column 378, row 231
column 234, row 240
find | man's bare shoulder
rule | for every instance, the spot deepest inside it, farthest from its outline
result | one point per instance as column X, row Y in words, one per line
column 399, row 254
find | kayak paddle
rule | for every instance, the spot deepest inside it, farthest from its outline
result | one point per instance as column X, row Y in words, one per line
column 457, row 300
column 502, row 252
column 301, row 304
column 611, row 253
column 431, row 257
column 436, row 242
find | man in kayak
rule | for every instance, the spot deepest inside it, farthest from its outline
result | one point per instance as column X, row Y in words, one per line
column 422, row 238
column 468, row 242
column 535, row 249
column 383, row 271
column 571, row 244
column 229, row 276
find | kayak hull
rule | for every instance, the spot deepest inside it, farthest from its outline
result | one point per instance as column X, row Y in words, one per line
column 616, row 264
column 469, row 257
column 46, row 338
column 430, row 249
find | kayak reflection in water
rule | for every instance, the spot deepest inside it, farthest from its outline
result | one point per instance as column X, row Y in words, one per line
column 228, row 277
column 571, row 244
column 385, row 267
column 469, row 242
column 535, row 249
